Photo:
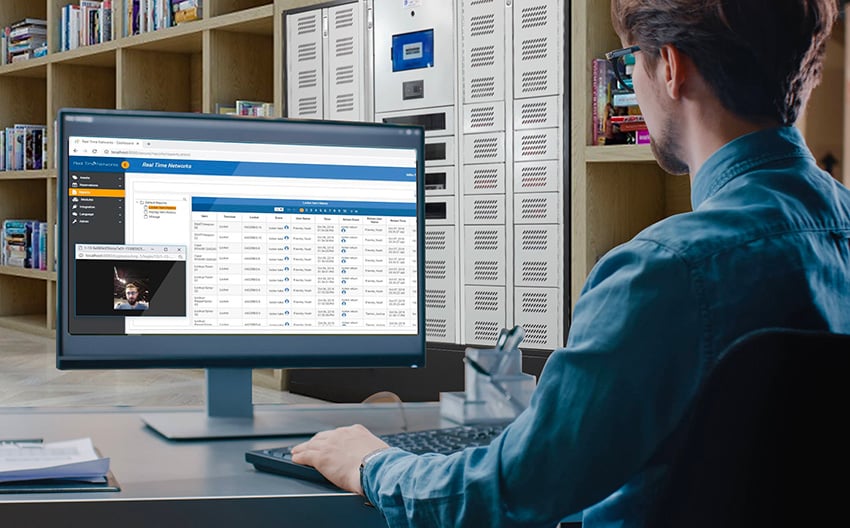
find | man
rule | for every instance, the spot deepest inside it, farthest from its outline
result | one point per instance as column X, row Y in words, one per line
column 720, row 83
column 131, row 293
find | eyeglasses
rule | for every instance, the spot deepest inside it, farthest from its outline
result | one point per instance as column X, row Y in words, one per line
column 619, row 59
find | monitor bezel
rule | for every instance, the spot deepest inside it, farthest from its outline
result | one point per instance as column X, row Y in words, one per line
column 74, row 351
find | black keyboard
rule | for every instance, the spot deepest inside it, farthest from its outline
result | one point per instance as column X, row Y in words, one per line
column 444, row 441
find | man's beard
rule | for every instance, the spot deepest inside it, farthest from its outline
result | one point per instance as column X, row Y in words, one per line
column 665, row 147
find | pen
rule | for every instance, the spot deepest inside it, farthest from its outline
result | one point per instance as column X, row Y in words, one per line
column 21, row 441
column 513, row 339
column 503, row 336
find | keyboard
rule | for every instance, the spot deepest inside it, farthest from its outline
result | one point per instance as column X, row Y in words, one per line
column 278, row 460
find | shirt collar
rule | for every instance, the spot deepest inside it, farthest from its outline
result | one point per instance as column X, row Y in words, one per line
column 744, row 154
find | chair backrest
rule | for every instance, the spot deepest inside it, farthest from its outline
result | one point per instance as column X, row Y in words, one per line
column 766, row 441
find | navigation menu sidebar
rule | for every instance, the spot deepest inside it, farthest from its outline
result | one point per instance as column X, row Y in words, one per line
column 96, row 207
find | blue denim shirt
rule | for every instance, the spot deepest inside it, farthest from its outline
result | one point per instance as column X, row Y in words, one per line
column 767, row 244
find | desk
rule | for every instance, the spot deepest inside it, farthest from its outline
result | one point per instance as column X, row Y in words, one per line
column 193, row 483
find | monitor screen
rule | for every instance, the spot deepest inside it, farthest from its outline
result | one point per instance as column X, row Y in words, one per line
column 205, row 241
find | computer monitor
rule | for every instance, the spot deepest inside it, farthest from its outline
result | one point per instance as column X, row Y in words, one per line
column 228, row 243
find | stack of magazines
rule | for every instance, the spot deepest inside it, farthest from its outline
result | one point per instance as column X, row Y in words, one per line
column 73, row 465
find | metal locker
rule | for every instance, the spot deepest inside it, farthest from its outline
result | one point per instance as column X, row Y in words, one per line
column 485, row 314
column 326, row 63
column 538, row 311
column 538, row 112
column 538, row 176
column 440, row 181
column 484, row 179
column 440, row 280
column 345, row 56
column 538, row 61
column 304, row 70
column 484, row 255
column 485, row 209
column 435, row 121
column 538, row 254
column 439, row 210
column 483, row 39
column 538, row 208
column 535, row 145
column 439, row 151
column 487, row 117
column 484, row 148
column 414, row 54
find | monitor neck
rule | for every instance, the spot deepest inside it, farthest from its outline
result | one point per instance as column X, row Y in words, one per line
column 229, row 393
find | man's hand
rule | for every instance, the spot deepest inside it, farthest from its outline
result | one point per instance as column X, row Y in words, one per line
column 337, row 454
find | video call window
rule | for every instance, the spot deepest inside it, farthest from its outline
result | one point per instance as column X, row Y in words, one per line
column 118, row 280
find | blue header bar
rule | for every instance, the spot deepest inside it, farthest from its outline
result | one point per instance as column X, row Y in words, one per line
column 308, row 207
column 241, row 168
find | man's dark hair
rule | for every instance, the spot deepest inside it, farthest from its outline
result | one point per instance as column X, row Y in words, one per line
column 762, row 58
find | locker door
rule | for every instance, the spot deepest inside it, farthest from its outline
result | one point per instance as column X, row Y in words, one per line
column 537, row 48
column 304, row 78
column 346, row 45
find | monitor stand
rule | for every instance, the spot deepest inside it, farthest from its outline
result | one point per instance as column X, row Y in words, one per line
column 230, row 413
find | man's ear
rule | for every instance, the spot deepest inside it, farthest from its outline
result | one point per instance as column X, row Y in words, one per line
column 675, row 65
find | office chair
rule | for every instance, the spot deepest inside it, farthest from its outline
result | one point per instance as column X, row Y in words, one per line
column 766, row 442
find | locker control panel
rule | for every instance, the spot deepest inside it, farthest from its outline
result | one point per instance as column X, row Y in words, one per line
column 412, row 51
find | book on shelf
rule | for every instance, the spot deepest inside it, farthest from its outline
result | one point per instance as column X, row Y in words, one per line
column 29, row 22
column 26, row 32
column 602, row 77
column 23, row 243
column 25, row 147
column 4, row 45
column 616, row 118
column 42, row 246
column 87, row 23
column 186, row 10
column 69, row 32
column 628, row 122
column 89, row 20
column 17, row 243
column 623, row 98
column 30, row 156
column 35, row 261
column 19, row 40
column 254, row 108
column 143, row 16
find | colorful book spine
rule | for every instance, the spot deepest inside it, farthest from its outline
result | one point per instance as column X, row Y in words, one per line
column 42, row 245
column 17, row 243
column 35, row 259
column 624, row 99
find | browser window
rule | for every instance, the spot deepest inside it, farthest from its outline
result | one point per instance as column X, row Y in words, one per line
column 208, row 237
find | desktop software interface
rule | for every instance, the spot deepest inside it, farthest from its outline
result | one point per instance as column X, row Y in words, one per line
column 205, row 237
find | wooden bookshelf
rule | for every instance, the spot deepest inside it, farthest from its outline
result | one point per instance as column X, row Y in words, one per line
column 618, row 153
column 617, row 191
column 234, row 52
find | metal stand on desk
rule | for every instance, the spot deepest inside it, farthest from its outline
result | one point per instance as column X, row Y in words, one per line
column 496, row 389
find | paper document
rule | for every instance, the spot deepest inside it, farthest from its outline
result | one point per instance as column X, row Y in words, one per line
column 72, row 459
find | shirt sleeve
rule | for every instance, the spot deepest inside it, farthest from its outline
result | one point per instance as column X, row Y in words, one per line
column 602, row 406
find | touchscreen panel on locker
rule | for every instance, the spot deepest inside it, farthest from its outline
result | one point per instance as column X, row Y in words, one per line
column 414, row 55
column 412, row 51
